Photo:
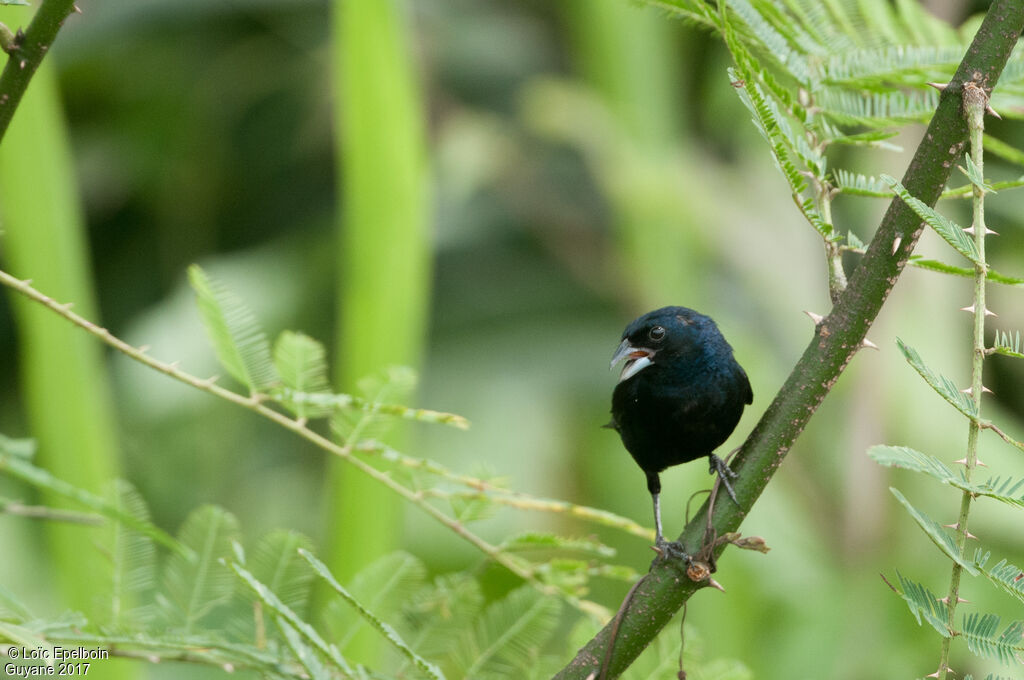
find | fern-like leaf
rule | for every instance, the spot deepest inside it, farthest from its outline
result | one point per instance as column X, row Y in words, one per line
column 940, row 383
column 389, row 633
column 924, row 605
column 533, row 540
column 301, row 362
column 393, row 384
column 944, row 268
column 506, row 640
column 1009, row 577
column 979, row 630
column 938, row 535
column 859, row 185
column 240, row 343
column 303, row 652
column 270, row 599
column 132, row 557
column 275, row 561
column 1008, row 345
column 384, row 586
column 950, row 231
column 974, row 175
column 438, row 615
column 997, row 488
column 197, row 583
column 876, row 109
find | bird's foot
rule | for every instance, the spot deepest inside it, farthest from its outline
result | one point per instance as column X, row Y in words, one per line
column 670, row 550
column 718, row 466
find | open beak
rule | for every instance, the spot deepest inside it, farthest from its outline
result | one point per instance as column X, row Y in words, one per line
column 637, row 359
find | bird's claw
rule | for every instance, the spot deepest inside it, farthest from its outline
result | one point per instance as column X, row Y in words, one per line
column 671, row 550
column 718, row 466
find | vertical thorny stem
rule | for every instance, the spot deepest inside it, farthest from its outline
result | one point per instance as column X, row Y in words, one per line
column 975, row 103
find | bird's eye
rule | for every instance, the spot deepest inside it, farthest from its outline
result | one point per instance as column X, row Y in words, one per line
column 657, row 333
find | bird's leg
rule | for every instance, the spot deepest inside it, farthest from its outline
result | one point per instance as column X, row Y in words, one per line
column 671, row 549
column 717, row 466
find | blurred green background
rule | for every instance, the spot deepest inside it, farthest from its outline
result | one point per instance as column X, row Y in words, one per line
column 585, row 161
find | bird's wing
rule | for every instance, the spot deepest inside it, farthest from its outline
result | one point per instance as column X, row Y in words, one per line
column 748, row 397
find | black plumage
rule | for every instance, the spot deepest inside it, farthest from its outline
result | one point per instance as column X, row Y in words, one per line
column 679, row 396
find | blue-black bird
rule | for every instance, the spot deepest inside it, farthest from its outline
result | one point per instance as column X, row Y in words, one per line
column 679, row 396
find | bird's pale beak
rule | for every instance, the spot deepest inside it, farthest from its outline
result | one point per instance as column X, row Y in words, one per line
column 638, row 358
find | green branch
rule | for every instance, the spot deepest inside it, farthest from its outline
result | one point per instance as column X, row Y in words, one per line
column 975, row 101
column 836, row 339
column 25, row 54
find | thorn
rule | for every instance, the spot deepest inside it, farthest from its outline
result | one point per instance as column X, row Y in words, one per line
column 868, row 344
column 816, row 318
column 979, row 463
column 992, row 112
column 970, row 390
column 970, row 308
column 658, row 550
column 952, row 526
column 22, row 64
column 940, row 87
column 896, row 244
column 970, row 229
column 989, row 232
column 143, row 349
column 715, row 584
column 968, row 534
column 960, row 599
column 76, row 9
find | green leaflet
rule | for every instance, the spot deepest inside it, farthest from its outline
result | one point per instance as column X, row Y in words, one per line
column 197, row 582
column 980, row 632
column 974, row 175
column 904, row 457
column 944, row 268
column 132, row 556
column 940, row 383
column 923, row 605
column 275, row 562
column 1008, row 345
column 241, row 345
column 951, row 232
column 506, row 639
column 305, row 655
column 283, row 611
column 935, row 532
column 302, row 364
column 1004, row 575
column 383, row 628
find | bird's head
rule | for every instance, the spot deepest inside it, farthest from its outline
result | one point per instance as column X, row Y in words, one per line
column 660, row 336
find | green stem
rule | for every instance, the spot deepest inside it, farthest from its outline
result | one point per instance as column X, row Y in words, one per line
column 975, row 100
column 26, row 55
column 833, row 251
column 836, row 339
